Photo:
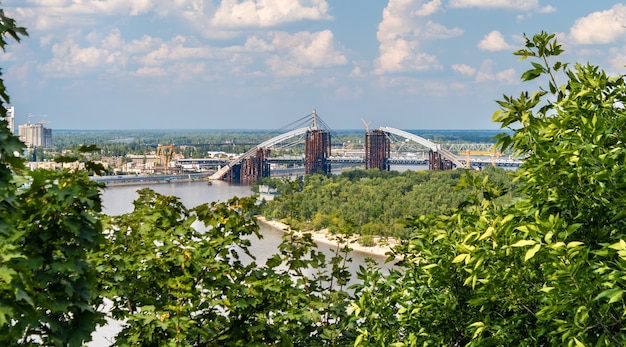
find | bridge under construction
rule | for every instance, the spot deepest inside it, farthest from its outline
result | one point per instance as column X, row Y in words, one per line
column 255, row 163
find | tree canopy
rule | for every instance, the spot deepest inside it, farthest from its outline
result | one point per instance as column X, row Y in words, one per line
column 546, row 270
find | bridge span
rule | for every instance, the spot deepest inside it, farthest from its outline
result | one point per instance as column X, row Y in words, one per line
column 255, row 163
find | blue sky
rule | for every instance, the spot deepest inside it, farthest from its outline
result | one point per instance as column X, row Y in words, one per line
column 262, row 64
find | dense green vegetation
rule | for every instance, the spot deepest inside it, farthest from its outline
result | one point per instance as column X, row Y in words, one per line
column 371, row 202
column 546, row 269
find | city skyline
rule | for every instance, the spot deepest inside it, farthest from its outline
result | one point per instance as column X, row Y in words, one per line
column 262, row 64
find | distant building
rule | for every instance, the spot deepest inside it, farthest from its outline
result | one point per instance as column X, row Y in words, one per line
column 35, row 135
column 10, row 118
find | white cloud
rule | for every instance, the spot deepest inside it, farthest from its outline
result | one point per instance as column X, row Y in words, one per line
column 69, row 59
column 150, row 71
column 617, row 59
column 486, row 74
column 111, row 55
column 254, row 44
column 464, row 69
column 296, row 54
column 494, row 41
column 434, row 30
column 400, row 33
column 600, row 27
column 547, row 9
column 508, row 76
column 267, row 13
column 45, row 15
column 513, row 4
column 285, row 68
column 429, row 8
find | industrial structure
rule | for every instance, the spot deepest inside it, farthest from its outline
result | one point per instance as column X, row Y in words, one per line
column 438, row 158
column 377, row 150
column 316, row 152
column 164, row 155
column 251, row 168
column 255, row 163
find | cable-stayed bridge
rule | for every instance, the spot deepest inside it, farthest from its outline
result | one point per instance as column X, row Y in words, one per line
column 318, row 158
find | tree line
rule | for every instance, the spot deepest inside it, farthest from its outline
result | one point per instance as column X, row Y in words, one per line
column 546, row 268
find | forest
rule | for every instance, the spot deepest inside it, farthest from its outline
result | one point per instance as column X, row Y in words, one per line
column 370, row 202
column 545, row 268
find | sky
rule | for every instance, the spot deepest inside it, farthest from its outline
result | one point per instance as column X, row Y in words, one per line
column 263, row 64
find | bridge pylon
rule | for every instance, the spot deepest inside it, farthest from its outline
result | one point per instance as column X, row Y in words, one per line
column 377, row 150
column 251, row 168
column 316, row 152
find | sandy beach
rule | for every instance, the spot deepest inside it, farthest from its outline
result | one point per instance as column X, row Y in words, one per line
column 323, row 236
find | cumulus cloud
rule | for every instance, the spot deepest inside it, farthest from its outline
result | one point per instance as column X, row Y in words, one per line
column 69, row 59
column 147, row 56
column 429, row 8
column 300, row 52
column 434, row 30
column 547, row 9
column 45, row 15
column 513, row 4
column 600, row 27
column 617, row 59
column 464, row 69
column 400, row 33
column 494, row 41
column 268, row 13
column 174, row 50
column 486, row 74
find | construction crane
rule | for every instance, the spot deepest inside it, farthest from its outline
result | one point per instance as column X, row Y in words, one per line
column 367, row 126
column 164, row 155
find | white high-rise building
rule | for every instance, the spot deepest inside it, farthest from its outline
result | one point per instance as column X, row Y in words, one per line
column 35, row 135
column 11, row 118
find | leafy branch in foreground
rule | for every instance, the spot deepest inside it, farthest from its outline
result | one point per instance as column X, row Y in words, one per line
column 546, row 270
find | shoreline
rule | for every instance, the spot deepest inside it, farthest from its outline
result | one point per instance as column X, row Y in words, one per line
column 322, row 236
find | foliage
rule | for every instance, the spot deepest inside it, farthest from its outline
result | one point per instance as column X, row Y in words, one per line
column 53, row 291
column 374, row 202
column 179, row 276
column 546, row 270
column 48, row 224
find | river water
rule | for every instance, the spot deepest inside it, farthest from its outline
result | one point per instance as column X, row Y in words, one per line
column 119, row 200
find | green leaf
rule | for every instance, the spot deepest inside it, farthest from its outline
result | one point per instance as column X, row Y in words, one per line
column 574, row 244
column 531, row 252
column 614, row 295
column 459, row 258
column 6, row 274
column 22, row 295
column 523, row 243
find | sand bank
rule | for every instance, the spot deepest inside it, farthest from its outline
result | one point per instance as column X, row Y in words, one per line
column 324, row 237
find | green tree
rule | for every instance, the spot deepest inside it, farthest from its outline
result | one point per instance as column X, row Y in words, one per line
column 179, row 276
column 546, row 270
column 48, row 225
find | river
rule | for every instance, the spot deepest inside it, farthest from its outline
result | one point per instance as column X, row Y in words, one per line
column 119, row 200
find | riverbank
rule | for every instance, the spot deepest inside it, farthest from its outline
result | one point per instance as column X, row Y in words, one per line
column 325, row 237
column 127, row 180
